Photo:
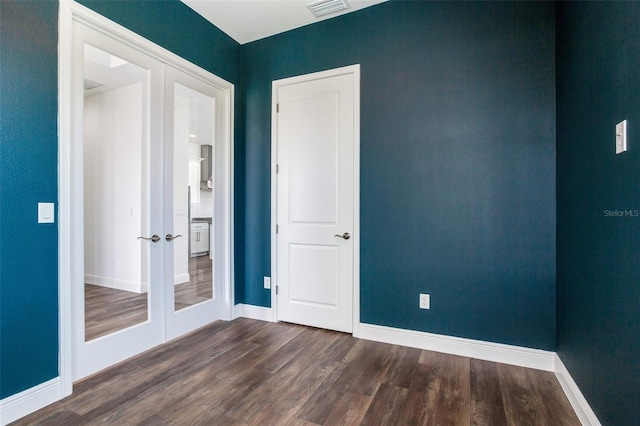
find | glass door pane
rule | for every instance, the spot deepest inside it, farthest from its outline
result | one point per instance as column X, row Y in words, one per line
column 115, row 207
column 193, row 152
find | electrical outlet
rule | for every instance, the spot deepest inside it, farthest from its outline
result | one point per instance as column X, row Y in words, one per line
column 425, row 301
column 267, row 282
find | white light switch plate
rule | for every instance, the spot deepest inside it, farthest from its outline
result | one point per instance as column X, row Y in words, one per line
column 621, row 137
column 46, row 212
column 267, row 282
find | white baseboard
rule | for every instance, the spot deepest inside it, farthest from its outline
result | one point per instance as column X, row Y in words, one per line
column 253, row 312
column 578, row 402
column 181, row 279
column 131, row 286
column 496, row 352
column 26, row 402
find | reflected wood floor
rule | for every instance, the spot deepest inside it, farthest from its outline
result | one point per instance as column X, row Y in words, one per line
column 247, row 372
column 107, row 310
column 199, row 288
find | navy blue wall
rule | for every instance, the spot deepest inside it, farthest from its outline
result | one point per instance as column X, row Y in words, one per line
column 457, row 162
column 598, row 324
column 28, row 154
column 28, row 175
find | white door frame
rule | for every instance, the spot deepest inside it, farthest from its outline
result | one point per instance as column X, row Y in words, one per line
column 353, row 70
column 68, row 247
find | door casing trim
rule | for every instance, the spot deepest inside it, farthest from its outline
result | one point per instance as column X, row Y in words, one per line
column 70, row 11
column 353, row 70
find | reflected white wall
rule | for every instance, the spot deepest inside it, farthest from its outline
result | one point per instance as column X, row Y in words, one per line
column 113, row 182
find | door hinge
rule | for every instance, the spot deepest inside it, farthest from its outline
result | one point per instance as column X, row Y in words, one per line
column 277, row 108
column 276, row 229
column 276, row 289
column 277, row 168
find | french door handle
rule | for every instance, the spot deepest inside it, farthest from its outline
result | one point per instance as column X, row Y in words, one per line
column 170, row 237
column 154, row 238
column 346, row 235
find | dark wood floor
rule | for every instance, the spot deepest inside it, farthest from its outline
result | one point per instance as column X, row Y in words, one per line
column 247, row 372
column 108, row 310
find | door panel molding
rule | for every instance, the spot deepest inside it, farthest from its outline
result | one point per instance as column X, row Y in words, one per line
column 354, row 72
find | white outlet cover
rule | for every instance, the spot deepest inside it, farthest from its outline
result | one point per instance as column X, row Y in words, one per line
column 621, row 137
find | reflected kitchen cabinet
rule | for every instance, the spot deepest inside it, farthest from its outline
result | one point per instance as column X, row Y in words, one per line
column 199, row 239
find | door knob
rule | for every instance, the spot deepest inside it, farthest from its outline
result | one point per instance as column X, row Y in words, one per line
column 346, row 235
column 170, row 237
column 154, row 238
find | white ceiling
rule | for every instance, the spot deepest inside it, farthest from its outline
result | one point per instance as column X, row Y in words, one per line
column 250, row 20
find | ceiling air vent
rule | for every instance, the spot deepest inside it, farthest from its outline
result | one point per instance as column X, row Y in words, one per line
column 327, row 7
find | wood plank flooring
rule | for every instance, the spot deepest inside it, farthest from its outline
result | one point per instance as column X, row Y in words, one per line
column 247, row 372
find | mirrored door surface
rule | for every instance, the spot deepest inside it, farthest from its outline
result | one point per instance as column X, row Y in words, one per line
column 193, row 140
column 118, row 294
column 190, row 121
column 115, row 207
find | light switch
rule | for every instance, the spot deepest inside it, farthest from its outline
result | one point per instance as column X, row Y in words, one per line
column 621, row 137
column 46, row 212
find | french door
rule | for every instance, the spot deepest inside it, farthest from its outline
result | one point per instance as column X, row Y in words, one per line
column 138, row 126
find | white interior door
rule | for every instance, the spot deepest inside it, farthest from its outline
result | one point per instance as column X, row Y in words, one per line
column 116, row 194
column 316, row 130
column 194, row 148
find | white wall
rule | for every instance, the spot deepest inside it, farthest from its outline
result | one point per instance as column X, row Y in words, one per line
column 206, row 204
column 113, row 182
column 181, row 191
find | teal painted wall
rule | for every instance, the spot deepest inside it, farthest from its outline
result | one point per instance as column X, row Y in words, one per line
column 461, row 76
column 28, row 175
column 457, row 162
column 598, row 315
